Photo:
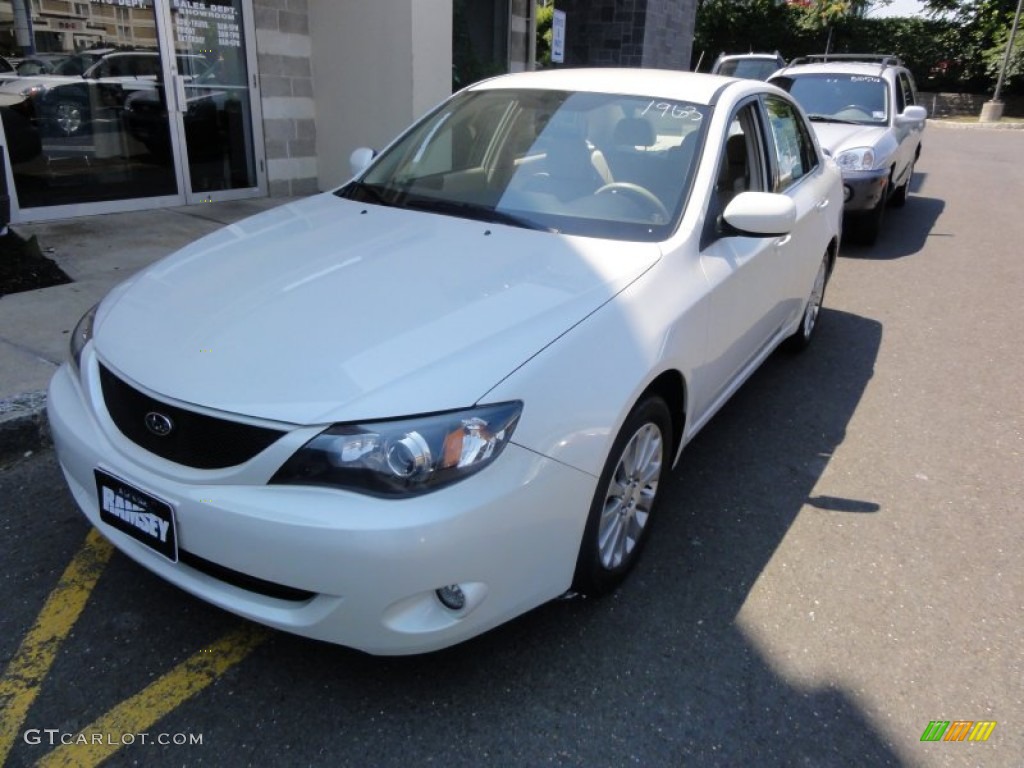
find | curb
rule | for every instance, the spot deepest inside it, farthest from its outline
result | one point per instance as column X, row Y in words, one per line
column 23, row 425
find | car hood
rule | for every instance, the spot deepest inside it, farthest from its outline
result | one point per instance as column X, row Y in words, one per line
column 837, row 137
column 329, row 310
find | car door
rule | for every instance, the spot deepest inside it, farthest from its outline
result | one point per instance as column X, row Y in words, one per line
column 907, row 135
column 740, row 269
column 798, row 171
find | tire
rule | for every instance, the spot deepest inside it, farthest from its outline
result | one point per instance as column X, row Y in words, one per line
column 801, row 338
column 69, row 117
column 626, row 499
column 899, row 196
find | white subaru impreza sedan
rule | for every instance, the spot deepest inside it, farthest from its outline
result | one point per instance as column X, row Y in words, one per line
column 399, row 413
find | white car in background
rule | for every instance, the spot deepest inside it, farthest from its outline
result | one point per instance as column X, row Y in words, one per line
column 756, row 66
column 395, row 415
column 865, row 113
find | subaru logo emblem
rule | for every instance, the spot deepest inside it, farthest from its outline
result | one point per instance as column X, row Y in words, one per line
column 159, row 424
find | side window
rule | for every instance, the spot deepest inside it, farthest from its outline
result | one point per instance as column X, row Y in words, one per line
column 741, row 168
column 795, row 154
column 907, row 88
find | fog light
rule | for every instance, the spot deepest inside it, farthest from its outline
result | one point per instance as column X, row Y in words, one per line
column 847, row 193
column 452, row 597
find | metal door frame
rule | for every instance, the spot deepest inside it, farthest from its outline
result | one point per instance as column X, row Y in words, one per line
column 185, row 195
column 177, row 95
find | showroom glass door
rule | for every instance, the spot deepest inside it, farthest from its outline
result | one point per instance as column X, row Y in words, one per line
column 115, row 105
column 215, row 104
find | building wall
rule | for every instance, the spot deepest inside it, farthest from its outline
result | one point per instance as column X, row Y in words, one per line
column 284, row 48
column 668, row 37
column 629, row 33
column 376, row 67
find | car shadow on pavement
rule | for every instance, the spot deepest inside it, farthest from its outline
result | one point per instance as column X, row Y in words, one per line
column 904, row 231
column 658, row 673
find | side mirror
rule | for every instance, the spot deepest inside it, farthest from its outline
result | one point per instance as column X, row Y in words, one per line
column 360, row 159
column 760, row 214
column 912, row 115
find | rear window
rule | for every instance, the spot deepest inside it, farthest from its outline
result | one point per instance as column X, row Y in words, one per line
column 751, row 69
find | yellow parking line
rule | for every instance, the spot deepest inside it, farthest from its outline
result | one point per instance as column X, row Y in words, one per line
column 31, row 663
column 139, row 713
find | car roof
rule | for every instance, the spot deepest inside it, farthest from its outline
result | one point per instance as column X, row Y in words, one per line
column 766, row 56
column 838, row 68
column 849, row 64
column 694, row 87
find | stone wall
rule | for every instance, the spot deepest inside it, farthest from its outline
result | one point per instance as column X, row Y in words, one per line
column 629, row 33
column 965, row 104
column 286, row 88
column 668, row 39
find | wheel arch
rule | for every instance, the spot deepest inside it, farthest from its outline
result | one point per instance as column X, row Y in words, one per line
column 833, row 254
column 670, row 386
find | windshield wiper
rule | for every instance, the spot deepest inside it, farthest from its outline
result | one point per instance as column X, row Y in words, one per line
column 363, row 192
column 471, row 211
column 830, row 119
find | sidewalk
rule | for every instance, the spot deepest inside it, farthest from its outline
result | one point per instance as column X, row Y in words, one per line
column 96, row 252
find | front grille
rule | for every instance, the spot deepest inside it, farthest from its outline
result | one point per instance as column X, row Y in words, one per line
column 195, row 440
column 243, row 580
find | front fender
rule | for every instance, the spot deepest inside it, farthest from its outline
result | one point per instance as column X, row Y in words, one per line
column 577, row 392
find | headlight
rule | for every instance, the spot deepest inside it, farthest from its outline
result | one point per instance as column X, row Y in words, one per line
column 859, row 159
column 81, row 335
column 403, row 457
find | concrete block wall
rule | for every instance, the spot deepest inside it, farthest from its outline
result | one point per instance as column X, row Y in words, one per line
column 965, row 104
column 604, row 33
column 668, row 37
column 629, row 33
column 284, row 51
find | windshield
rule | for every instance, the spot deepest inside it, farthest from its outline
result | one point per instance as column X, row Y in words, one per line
column 861, row 99
column 591, row 164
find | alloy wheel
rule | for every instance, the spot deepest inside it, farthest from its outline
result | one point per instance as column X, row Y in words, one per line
column 630, row 496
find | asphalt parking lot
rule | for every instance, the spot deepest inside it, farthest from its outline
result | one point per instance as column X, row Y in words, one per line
column 837, row 565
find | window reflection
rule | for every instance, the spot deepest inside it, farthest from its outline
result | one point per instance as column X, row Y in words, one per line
column 85, row 107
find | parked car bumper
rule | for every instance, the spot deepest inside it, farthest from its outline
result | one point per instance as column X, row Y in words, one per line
column 353, row 569
column 863, row 190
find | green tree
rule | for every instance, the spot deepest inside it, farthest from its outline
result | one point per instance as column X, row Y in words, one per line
column 743, row 26
column 984, row 28
column 994, row 57
column 545, row 14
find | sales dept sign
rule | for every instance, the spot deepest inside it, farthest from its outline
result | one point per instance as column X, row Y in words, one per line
column 125, row 3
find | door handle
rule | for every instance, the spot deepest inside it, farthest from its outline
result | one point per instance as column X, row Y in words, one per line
column 179, row 93
column 783, row 240
column 823, row 204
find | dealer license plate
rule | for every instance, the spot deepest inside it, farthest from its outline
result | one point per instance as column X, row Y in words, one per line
column 137, row 514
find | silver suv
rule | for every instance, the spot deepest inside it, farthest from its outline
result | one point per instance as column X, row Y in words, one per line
column 864, row 111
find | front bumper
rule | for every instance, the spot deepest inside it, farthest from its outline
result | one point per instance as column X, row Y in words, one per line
column 863, row 190
column 508, row 535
